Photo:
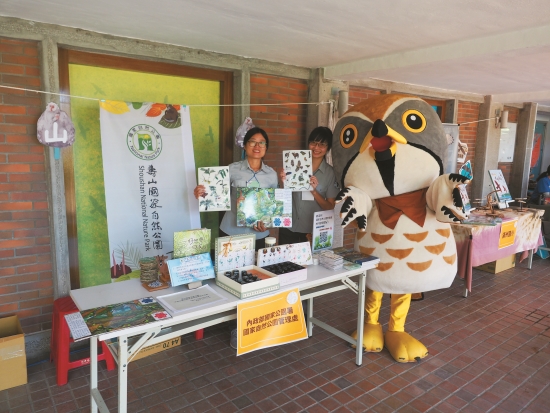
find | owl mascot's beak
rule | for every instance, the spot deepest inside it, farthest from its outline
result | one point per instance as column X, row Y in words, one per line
column 381, row 141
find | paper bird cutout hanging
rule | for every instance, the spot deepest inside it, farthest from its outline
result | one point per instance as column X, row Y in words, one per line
column 55, row 128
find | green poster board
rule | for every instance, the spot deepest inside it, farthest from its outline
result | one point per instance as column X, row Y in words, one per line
column 113, row 84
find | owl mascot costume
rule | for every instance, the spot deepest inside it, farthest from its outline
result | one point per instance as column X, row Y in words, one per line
column 388, row 151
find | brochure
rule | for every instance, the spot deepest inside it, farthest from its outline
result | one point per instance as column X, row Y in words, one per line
column 297, row 166
column 216, row 181
column 271, row 205
column 192, row 299
column 190, row 269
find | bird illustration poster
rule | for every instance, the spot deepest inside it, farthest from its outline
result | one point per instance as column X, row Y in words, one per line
column 297, row 166
column 272, row 206
column 499, row 183
column 54, row 127
column 144, row 146
column 216, row 182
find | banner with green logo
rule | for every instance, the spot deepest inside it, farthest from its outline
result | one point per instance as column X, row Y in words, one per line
column 149, row 175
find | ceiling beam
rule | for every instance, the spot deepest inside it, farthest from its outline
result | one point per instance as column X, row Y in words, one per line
column 481, row 46
column 539, row 96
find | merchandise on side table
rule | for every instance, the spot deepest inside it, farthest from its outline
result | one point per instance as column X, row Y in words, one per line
column 356, row 257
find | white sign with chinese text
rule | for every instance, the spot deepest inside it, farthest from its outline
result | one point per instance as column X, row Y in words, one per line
column 149, row 173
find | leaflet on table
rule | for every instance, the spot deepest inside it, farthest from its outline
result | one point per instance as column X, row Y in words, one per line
column 111, row 317
column 192, row 299
column 190, row 269
column 272, row 206
column 216, row 182
column 299, row 253
column 235, row 251
column 323, row 229
column 191, row 242
column 298, row 171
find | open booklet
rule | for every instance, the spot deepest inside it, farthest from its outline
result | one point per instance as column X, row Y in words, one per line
column 192, row 299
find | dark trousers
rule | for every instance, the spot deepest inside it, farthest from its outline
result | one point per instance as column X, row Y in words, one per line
column 286, row 236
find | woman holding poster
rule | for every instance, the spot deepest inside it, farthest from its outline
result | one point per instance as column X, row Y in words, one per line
column 321, row 198
column 250, row 172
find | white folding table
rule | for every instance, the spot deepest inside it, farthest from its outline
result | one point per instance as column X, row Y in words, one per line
column 320, row 281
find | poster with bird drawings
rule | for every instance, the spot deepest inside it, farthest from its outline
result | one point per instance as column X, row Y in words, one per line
column 297, row 166
column 216, row 181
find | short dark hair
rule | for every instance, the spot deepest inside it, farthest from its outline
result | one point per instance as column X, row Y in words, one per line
column 321, row 134
column 255, row 130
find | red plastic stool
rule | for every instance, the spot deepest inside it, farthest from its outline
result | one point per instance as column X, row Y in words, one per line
column 61, row 340
column 199, row 334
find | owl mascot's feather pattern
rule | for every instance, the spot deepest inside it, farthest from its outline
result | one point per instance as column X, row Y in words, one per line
column 388, row 152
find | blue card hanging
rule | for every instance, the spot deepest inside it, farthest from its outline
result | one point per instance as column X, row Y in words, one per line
column 55, row 128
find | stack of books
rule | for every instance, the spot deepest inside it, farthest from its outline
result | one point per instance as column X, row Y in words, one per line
column 330, row 260
column 356, row 257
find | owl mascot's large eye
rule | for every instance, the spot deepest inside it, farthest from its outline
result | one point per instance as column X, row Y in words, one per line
column 414, row 121
column 348, row 136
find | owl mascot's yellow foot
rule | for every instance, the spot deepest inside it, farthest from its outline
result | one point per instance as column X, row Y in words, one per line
column 373, row 338
column 402, row 346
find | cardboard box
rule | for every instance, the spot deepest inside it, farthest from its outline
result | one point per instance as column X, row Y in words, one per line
column 157, row 348
column 248, row 290
column 497, row 266
column 13, row 360
column 300, row 274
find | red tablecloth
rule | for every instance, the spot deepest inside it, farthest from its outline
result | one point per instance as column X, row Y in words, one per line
column 478, row 244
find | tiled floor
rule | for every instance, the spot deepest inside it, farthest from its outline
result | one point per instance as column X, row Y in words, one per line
column 489, row 352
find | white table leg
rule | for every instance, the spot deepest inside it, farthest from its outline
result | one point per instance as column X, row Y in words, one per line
column 93, row 373
column 309, row 324
column 360, row 318
column 530, row 259
column 123, row 374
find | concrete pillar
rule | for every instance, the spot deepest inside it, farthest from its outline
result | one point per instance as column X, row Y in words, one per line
column 241, row 85
column 523, row 148
column 486, row 149
column 451, row 111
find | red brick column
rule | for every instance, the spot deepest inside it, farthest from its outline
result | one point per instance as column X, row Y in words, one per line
column 26, row 285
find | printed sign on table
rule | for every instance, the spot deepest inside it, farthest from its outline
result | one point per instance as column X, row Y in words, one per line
column 323, row 230
column 508, row 231
column 270, row 321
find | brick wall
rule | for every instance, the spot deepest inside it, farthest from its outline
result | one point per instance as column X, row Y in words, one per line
column 357, row 94
column 26, row 287
column 285, row 125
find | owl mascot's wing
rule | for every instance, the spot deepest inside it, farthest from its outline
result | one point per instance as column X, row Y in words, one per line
column 443, row 197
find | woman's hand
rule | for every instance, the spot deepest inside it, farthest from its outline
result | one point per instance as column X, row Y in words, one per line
column 199, row 191
column 260, row 227
column 282, row 177
column 313, row 182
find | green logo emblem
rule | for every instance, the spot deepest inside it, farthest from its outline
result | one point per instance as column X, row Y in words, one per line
column 144, row 142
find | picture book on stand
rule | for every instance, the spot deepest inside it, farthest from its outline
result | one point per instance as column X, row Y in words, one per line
column 272, row 206
column 191, row 242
